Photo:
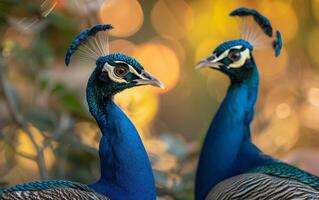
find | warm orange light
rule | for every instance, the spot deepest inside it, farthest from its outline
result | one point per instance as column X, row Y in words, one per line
column 277, row 100
column 280, row 136
column 175, row 45
column 206, row 47
column 88, row 134
column 172, row 19
column 271, row 67
column 161, row 61
column 309, row 116
column 26, row 146
column 139, row 103
column 283, row 110
column 212, row 21
column 125, row 15
column 313, row 96
column 123, row 46
column 315, row 8
column 217, row 84
column 312, row 41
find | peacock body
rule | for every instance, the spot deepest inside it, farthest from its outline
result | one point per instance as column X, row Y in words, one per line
column 52, row 189
column 230, row 165
column 126, row 172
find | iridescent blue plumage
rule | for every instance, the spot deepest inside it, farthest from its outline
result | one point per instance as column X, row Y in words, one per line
column 261, row 20
column 287, row 171
column 263, row 23
column 226, row 45
column 277, row 45
column 83, row 37
column 230, row 165
column 43, row 185
column 126, row 171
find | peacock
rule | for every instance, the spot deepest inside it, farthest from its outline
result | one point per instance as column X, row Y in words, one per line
column 230, row 165
column 126, row 172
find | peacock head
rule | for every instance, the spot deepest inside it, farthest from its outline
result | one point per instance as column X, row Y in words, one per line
column 232, row 58
column 235, row 57
column 113, row 72
column 116, row 72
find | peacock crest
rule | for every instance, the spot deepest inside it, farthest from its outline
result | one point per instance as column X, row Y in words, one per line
column 90, row 44
column 257, row 30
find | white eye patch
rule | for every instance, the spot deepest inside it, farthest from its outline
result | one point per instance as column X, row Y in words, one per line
column 225, row 53
column 110, row 71
column 244, row 56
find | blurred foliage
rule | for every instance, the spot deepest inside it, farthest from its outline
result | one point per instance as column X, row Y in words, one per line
column 46, row 130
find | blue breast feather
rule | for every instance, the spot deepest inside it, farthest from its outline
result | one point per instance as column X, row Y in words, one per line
column 45, row 185
column 283, row 170
column 83, row 37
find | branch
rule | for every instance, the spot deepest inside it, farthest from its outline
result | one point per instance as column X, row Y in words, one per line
column 20, row 121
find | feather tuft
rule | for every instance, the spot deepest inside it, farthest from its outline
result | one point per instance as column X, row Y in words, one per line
column 261, row 20
column 277, row 44
column 91, row 44
column 257, row 30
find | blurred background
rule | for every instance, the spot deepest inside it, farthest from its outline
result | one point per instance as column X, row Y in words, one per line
column 46, row 131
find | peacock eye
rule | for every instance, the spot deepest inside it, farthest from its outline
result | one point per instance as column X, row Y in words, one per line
column 121, row 71
column 234, row 55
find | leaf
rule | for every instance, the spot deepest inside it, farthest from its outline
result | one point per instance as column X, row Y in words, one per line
column 69, row 100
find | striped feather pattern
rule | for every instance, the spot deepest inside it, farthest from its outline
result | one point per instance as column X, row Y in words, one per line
column 283, row 170
column 53, row 194
column 49, row 184
column 258, row 186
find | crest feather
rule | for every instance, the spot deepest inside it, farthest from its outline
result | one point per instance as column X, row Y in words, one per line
column 91, row 44
column 257, row 30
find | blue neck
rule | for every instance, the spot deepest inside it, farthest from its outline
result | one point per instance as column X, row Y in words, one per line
column 227, row 149
column 126, row 172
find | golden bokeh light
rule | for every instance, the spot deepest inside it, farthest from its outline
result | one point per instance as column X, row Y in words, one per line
column 206, row 48
column 139, row 103
column 212, row 21
column 312, row 39
column 280, row 136
column 166, row 162
column 88, row 134
column 203, row 28
column 161, row 61
column 175, row 45
column 123, row 46
column 172, row 19
column 221, row 22
column 279, row 101
column 126, row 16
column 162, row 160
column 283, row 110
column 271, row 67
column 18, row 173
column 309, row 116
column 26, row 146
column 313, row 96
column 155, row 146
column 315, row 8
column 217, row 84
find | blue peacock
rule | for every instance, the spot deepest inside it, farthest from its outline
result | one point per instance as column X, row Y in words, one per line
column 126, row 172
column 230, row 165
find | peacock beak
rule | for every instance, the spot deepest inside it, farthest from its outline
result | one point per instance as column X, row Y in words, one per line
column 148, row 79
column 210, row 62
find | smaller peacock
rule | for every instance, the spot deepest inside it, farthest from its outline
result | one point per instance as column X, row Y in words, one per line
column 126, row 172
column 230, row 165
